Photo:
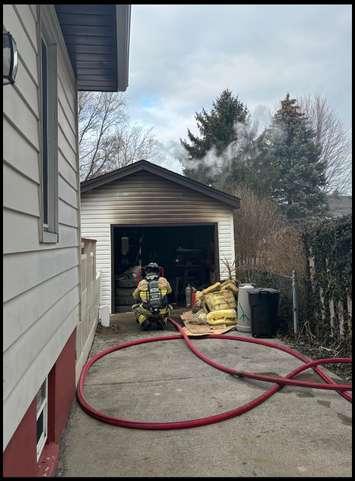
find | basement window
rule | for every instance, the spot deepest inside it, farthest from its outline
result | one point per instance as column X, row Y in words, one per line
column 42, row 417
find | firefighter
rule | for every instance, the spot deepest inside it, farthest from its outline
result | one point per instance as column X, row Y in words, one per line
column 151, row 293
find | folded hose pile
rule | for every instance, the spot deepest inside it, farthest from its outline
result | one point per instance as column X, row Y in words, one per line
column 277, row 381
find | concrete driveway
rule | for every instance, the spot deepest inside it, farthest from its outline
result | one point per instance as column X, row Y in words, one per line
column 297, row 432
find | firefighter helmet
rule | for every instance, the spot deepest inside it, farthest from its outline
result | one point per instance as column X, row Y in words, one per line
column 152, row 268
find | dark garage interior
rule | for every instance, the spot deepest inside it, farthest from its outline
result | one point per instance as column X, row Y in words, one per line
column 187, row 254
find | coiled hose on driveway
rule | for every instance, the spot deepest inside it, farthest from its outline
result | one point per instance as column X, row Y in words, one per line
column 278, row 382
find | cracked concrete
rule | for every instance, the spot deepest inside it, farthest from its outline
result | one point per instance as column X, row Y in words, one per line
column 296, row 432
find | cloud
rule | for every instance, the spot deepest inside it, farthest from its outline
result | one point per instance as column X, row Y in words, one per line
column 183, row 56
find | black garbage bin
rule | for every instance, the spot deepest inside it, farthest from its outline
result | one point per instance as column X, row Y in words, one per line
column 264, row 307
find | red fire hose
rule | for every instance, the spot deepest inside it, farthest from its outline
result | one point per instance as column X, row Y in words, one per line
column 279, row 382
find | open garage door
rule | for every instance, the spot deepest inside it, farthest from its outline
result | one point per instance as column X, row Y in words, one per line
column 188, row 254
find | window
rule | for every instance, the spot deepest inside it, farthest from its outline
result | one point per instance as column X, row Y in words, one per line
column 45, row 133
column 49, row 137
column 42, row 417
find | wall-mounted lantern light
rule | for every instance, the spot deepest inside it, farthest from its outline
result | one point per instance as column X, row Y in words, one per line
column 9, row 69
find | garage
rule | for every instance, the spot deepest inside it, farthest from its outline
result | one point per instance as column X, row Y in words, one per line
column 187, row 254
column 144, row 213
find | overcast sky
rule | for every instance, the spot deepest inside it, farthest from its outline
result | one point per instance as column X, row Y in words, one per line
column 183, row 56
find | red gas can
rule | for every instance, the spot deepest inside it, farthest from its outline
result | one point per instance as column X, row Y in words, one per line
column 193, row 296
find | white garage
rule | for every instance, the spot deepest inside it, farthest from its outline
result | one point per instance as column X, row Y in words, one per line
column 143, row 213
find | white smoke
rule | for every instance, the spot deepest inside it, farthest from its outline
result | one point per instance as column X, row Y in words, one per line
column 238, row 150
column 168, row 154
column 262, row 117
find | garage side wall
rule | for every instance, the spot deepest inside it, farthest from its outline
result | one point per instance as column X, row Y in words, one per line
column 144, row 198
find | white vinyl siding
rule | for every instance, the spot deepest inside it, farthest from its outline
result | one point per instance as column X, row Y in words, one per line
column 18, row 152
column 143, row 198
column 27, row 201
column 41, row 281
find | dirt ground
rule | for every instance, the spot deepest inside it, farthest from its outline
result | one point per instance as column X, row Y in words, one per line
column 317, row 351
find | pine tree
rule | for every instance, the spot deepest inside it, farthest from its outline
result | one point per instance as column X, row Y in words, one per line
column 292, row 155
column 241, row 154
column 217, row 131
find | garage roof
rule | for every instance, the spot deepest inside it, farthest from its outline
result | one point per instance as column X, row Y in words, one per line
column 145, row 166
column 97, row 39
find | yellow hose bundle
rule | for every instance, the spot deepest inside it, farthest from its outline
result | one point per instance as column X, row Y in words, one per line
column 217, row 301
column 223, row 316
column 198, row 295
column 229, row 285
column 214, row 287
column 229, row 298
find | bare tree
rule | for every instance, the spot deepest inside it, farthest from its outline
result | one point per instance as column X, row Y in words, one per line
column 335, row 142
column 127, row 145
column 99, row 113
column 106, row 139
column 264, row 241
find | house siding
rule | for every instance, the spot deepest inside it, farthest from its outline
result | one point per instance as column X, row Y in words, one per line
column 41, row 281
column 143, row 198
column 24, row 441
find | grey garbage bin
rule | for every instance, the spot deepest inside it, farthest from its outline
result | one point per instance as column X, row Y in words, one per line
column 264, row 307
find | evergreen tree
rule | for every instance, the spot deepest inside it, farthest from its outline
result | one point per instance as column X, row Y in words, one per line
column 241, row 154
column 293, row 158
column 261, row 172
column 217, row 130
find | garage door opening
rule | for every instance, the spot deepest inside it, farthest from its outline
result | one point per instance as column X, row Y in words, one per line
column 187, row 255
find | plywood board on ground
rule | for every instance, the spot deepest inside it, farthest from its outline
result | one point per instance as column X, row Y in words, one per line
column 193, row 329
